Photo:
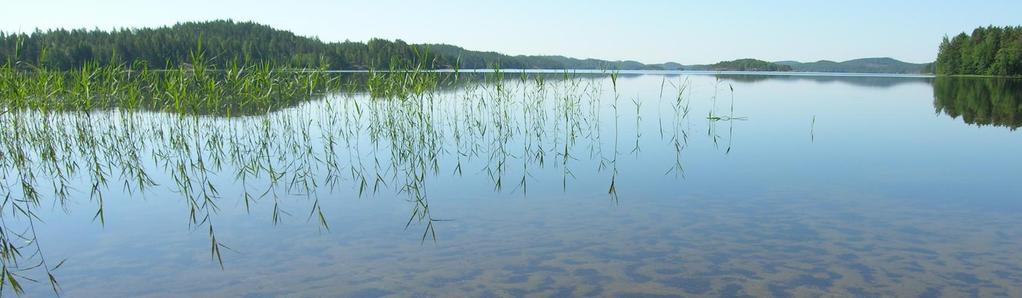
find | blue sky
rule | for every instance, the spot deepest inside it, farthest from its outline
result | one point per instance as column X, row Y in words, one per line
column 651, row 31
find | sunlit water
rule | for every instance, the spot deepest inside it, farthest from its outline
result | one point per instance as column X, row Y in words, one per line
column 799, row 186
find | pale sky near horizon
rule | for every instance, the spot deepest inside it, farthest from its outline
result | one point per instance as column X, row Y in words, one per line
column 652, row 31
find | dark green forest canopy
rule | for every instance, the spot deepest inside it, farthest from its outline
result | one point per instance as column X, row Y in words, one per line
column 224, row 41
column 987, row 51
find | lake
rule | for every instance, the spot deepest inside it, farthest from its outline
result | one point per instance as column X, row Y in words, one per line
column 625, row 185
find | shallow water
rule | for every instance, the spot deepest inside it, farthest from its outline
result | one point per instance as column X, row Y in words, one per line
column 799, row 186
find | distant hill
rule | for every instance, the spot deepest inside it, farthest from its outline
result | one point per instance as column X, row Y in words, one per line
column 668, row 66
column 463, row 58
column 865, row 65
column 748, row 65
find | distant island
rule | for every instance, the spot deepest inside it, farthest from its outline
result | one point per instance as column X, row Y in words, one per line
column 748, row 65
column 864, row 65
column 995, row 51
column 225, row 42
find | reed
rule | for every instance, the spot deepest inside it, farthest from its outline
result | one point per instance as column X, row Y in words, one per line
column 283, row 142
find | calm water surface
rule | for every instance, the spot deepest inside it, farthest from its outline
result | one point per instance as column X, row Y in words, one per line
column 797, row 186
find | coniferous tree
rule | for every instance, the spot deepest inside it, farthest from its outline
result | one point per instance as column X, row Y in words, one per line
column 225, row 42
column 987, row 51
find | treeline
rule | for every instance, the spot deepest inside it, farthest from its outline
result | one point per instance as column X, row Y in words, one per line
column 748, row 65
column 224, row 42
column 221, row 42
column 987, row 51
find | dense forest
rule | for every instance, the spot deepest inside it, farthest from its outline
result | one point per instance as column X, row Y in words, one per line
column 748, row 65
column 987, row 51
column 225, row 41
column 221, row 41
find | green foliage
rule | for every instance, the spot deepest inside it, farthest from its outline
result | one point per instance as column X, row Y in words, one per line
column 987, row 51
column 226, row 41
column 59, row 148
column 234, row 90
column 749, row 65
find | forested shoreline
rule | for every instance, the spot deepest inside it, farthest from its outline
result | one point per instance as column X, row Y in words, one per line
column 224, row 42
column 992, row 51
